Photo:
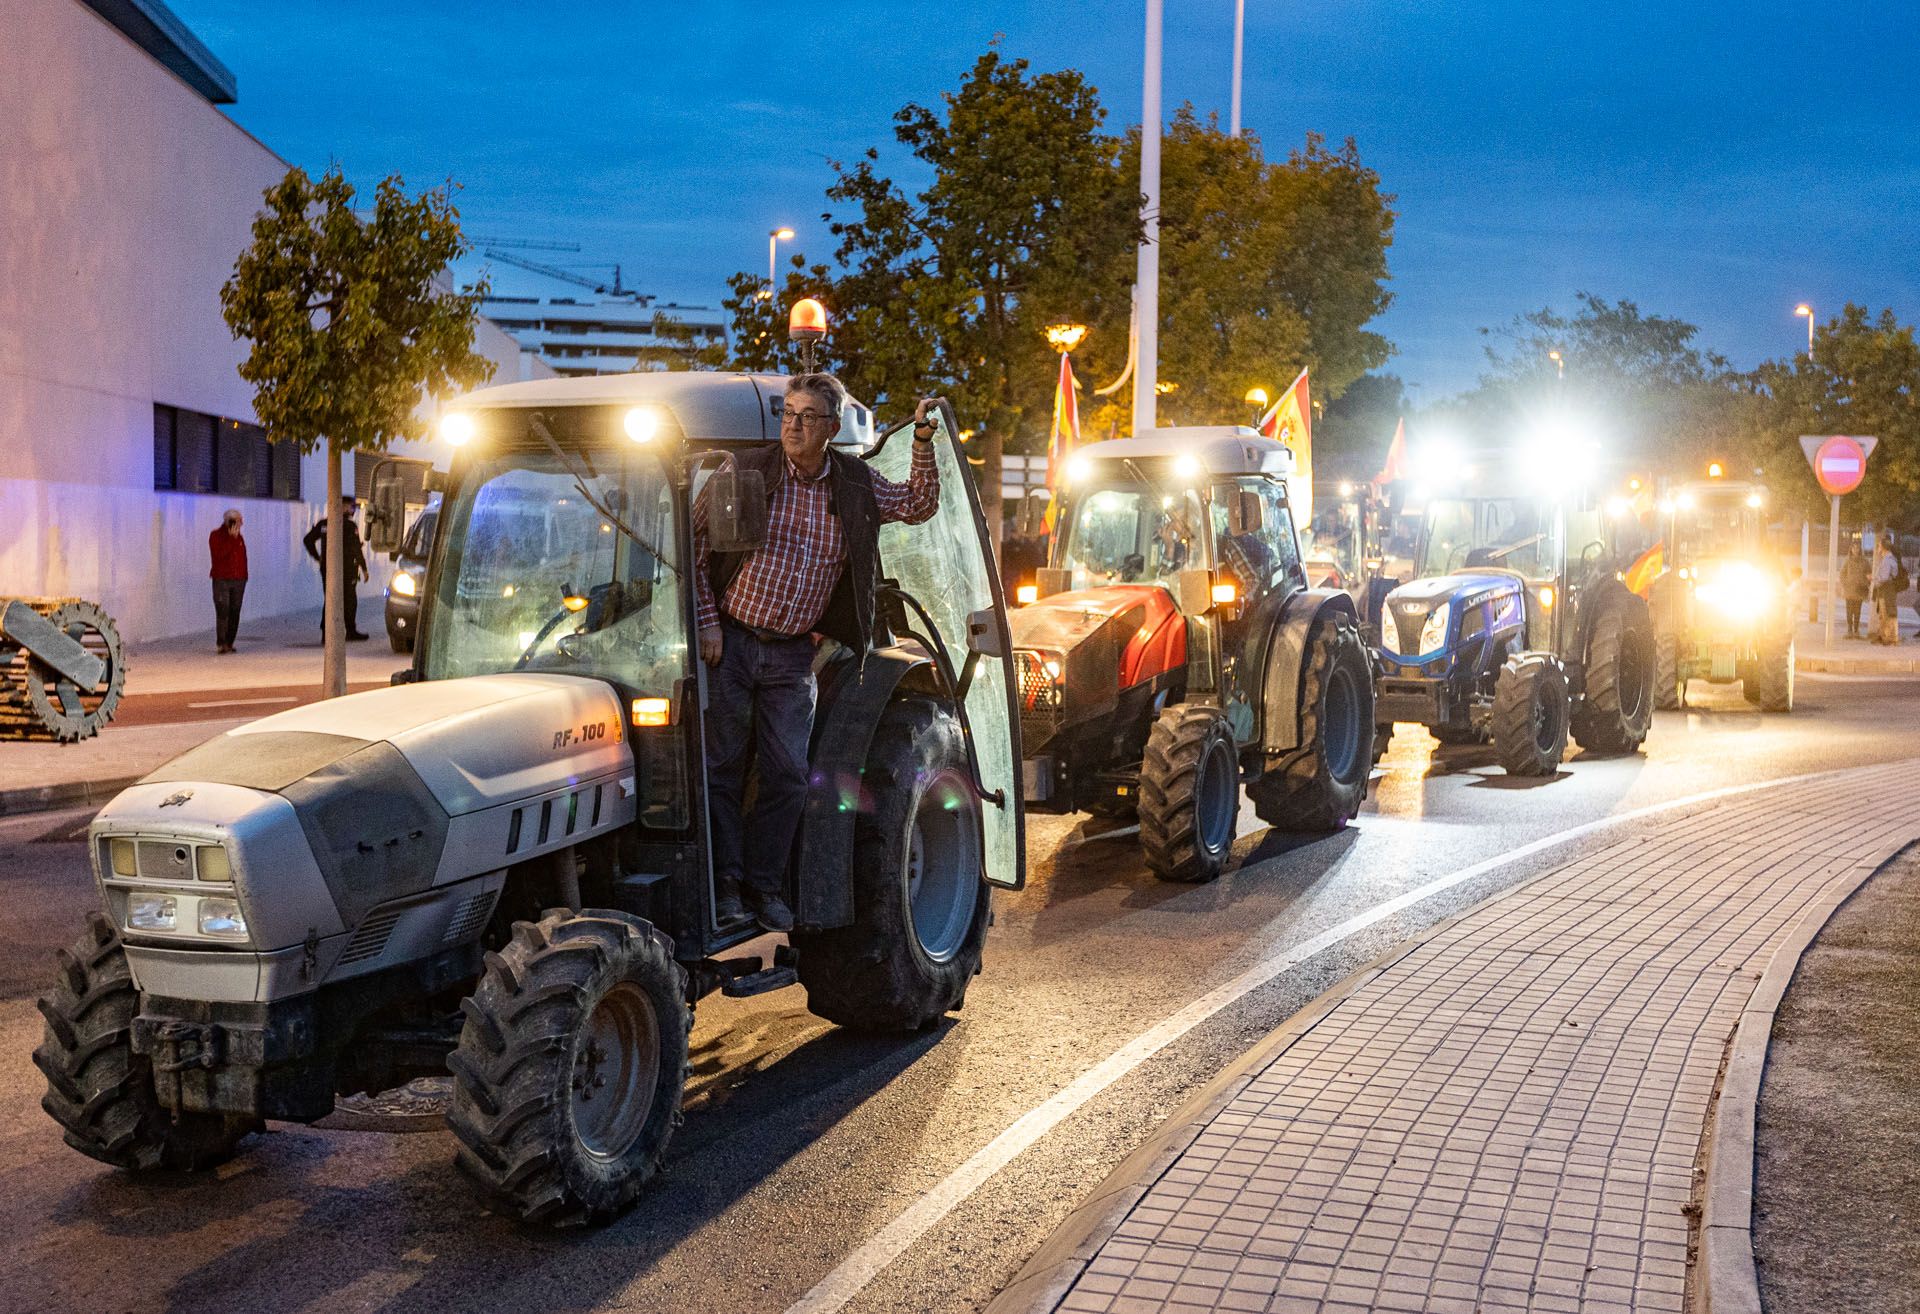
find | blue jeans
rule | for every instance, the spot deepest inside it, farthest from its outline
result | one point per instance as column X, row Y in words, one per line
column 760, row 696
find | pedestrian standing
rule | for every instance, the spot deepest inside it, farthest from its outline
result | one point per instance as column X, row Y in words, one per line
column 353, row 556
column 1886, row 594
column 1856, row 581
column 228, row 549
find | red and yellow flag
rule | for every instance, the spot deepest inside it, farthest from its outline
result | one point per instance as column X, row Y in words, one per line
column 1291, row 422
column 1396, row 467
column 1647, row 568
column 1064, row 438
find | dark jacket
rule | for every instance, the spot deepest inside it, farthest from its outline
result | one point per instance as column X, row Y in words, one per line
column 849, row 616
column 229, row 553
column 352, row 553
column 1856, row 574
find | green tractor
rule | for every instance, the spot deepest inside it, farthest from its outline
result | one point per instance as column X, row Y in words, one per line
column 1722, row 605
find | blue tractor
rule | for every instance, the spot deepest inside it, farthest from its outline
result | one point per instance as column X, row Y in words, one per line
column 1517, row 631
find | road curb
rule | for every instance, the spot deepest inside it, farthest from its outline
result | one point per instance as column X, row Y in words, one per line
column 1858, row 665
column 1725, row 1279
column 72, row 794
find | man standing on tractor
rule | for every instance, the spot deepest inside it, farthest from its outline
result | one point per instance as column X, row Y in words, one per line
column 758, row 612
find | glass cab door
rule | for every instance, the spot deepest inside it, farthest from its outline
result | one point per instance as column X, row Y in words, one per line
column 947, row 565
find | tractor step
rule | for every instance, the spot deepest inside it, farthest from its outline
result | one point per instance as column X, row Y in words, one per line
column 759, row 983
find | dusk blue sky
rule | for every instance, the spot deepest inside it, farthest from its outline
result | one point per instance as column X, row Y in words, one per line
column 1716, row 162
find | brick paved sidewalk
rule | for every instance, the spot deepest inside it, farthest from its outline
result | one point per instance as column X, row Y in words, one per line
column 1508, row 1115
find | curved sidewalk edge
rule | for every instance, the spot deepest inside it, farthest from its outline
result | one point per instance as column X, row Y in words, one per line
column 1726, row 1279
column 1820, row 664
column 1723, row 1278
column 53, row 798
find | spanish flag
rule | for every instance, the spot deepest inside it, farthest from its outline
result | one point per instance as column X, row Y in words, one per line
column 1064, row 438
column 1291, row 422
column 1647, row 568
column 1396, row 467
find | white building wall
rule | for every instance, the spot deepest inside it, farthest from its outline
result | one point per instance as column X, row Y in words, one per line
column 124, row 199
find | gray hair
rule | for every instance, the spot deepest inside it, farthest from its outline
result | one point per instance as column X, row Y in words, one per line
column 831, row 392
column 232, row 514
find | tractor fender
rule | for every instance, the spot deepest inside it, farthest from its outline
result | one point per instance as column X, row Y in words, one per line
column 1286, row 653
column 849, row 712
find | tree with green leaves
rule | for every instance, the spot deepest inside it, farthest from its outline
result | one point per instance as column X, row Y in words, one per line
column 1655, row 399
column 1031, row 218
column 677, row 347
column 1862, row 378
column 352, row 327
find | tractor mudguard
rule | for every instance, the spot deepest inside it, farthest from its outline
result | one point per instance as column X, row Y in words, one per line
column 1280, row 696
column 843, row 733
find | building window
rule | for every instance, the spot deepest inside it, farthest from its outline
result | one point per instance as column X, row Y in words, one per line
column 198, row 453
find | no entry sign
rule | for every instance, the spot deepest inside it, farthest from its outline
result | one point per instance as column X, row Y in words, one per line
column 1839, row 462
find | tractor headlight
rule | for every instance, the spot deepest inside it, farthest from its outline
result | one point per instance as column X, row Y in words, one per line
column 1738, row 590
column 223, row 918
column 404, row 584
column 1433, row 635
column 152, row 912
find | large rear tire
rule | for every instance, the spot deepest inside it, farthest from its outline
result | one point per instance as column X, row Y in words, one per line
column 919, row 907
column 1669, row 690
column 570, row 1067
column 1320, row 786
column 1530, row 715
column 100, row 1091
column 1773, row 679
column 1189, row 794
column 1617, row 711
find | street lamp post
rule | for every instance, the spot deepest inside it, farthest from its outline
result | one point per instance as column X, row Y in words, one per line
column 1146, row 278
column 774, row 238
column 1559, row 363
column 1239, row 43
column 1806, row 311
column 1258, row 399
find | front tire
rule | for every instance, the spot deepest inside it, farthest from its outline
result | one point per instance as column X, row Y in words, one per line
column 1320, row 786
column 1617, row 711
column 919, row 907
column 1669, row 689
column 570, row 1067
column 1189, row 794
column 100, row 1091
column 1530, row 715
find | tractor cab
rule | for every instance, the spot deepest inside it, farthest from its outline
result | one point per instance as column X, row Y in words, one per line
column 1174, row 651
column 500, row 865
column 1722, row 603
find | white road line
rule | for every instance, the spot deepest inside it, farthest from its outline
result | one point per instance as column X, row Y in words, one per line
column 866, row 1262
column 245, row 702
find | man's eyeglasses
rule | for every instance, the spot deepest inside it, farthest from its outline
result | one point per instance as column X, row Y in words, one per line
column 805, row 419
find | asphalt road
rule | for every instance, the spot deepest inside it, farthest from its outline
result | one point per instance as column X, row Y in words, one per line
column 801, row 1143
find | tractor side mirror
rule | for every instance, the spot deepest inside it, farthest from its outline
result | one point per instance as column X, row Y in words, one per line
column 1048, row 581
column 736, row 510
column 1243, row 513
column 1193, row 590
column 387, row 508
column 983, row 636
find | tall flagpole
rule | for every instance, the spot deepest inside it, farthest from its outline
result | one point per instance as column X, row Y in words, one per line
column 1239, row 43
column 1147, row 270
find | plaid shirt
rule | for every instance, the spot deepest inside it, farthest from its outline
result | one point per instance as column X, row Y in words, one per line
column 785, row 585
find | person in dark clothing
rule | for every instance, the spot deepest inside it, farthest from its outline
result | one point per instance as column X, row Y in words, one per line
column 1856, row 580
column 229, row 574
column 352, row 554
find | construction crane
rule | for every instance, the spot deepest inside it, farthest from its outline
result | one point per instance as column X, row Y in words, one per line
column 493, row 251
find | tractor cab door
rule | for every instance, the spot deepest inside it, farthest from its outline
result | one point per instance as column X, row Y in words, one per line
column 947, row 566
column 1255, row 544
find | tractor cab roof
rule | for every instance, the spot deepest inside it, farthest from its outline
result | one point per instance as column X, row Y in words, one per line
column 708, row 406
column 1221, row 449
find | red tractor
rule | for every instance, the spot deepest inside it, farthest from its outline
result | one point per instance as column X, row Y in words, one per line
column 1176, row 653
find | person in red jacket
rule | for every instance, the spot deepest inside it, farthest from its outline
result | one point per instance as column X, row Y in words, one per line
column 229, row 552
